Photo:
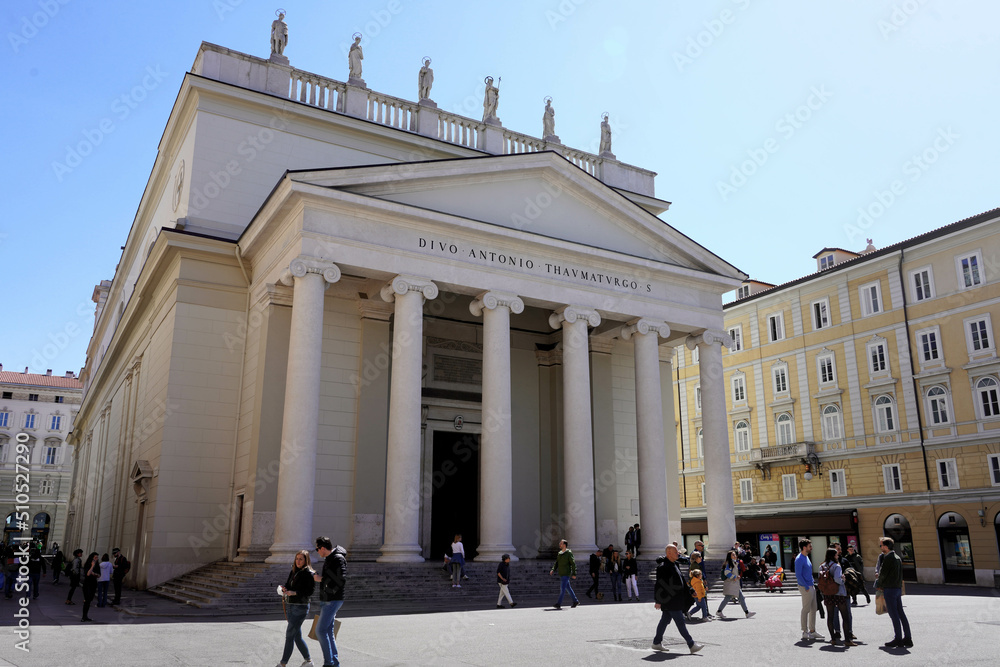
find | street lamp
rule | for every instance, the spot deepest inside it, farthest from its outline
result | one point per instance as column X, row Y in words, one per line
column 812, row 462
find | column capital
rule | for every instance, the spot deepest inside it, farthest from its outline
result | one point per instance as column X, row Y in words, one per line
column 492, row 299
column 708, row 337
column 643, row 326
column 401, row 284
column 300, row 266
column 573, row 313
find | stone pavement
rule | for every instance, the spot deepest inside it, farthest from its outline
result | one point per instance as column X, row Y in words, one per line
column 950, row 624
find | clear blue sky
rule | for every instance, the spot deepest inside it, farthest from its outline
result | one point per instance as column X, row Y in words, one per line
column 818, row 107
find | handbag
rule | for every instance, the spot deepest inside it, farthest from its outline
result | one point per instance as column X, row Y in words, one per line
column 880, row 603
column 312, row 630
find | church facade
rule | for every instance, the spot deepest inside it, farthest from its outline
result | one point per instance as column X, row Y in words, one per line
column 344, row 313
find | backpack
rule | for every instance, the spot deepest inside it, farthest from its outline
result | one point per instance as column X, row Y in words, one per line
column 852, row 581
column 826, row 584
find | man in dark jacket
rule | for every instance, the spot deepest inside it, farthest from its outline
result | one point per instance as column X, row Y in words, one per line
column 75, row 572
column 890, row 582
column 672, row 599
column 595, row 572
column 636, row 539
column 36, row 568
column 58, row 561
column 855, row 561
column 331, row 595
column 120, row 566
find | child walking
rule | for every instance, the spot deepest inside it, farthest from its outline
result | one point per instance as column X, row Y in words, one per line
column 701, row 597
column 503, row 578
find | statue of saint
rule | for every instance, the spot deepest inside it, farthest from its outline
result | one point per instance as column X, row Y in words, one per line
column 279, row 35
column 548, row 120
column 425, row 80
column 355, row 57
column 490, row 100
column 605, row 135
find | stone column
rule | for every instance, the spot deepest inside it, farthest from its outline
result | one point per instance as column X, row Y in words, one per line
column 495, row 479
column 715, row 433
column 300, row 420
column 578, row 443
column 402, row 472
column 650, row 451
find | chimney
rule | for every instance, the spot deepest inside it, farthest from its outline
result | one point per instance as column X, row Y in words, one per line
column 48, row 372
column 69, row 374
column 1, row 367
column 25, row 370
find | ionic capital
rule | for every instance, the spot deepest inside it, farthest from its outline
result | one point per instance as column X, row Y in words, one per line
column 708, row 337
column 573, row 313
column 643, row 326
column 401, row 284
column 300, row 266
column 491, row 300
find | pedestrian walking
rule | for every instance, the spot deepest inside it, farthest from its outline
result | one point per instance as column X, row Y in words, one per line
column 614, row 569
column 503, row 579
column 836, row 600
column 565, row 565
column 121, row 567
column 58, row 562
column 857, row 563
column 595, row 574
column 630, row 540
column 672, row 598
column 297, row 590
column 731, row 586
column 103, row 581
column 636, row 539
column 807, row 590
column 75, row 572
column 630, row 570
column 91, row 573
column 457, row 561
column 36, row 568
column 890, row 585
column 331, row 595
column 700, row 596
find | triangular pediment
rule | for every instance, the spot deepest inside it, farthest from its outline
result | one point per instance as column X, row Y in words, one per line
column 537, row 193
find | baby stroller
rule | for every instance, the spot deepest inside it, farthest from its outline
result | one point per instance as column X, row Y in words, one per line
column 774, row 582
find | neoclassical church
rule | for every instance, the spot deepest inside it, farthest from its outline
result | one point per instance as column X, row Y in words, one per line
column 339, row 312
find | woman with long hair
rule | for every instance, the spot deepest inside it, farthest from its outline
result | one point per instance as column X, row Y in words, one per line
column 837, row 602
column 614, row 568
column 731, row 586
column 297, row 590
column 91, row 573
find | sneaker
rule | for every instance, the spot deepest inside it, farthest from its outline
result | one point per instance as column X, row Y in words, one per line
column 720, row 614
column 906, row 642
column 306, row 663
column 695, row 647
column 465, row 576
column 458, row 585
column 575, row 602
column 513, row 604
column 815, row 635
column 499, row 606
column 557, row 606
column 805, row 636
column 751, row 614
column 687, row 616
column 658, row 647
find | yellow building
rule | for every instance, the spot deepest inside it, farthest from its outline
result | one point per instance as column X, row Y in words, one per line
column 863, row 401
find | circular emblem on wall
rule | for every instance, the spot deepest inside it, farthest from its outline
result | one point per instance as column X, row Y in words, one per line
column 459, row 421
column 178, row 186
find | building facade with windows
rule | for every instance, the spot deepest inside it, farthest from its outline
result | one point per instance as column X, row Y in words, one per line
column 863, row 401
column 341, row 312
column 43, row 407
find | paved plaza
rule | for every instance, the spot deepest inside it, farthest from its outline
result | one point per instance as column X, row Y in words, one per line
column 950, row 625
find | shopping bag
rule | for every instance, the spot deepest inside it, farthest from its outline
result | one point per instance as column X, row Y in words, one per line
column 879, row 603
column 312, row 630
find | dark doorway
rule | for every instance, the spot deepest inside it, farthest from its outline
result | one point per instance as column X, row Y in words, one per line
column 956, row 549
column 455, row 492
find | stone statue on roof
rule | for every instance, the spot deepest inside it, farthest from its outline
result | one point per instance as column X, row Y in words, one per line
column 279, row 35
column 491, row 98
column 425, row 79
column 355, row 56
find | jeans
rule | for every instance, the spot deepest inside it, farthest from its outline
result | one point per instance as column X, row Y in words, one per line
column 833, row 604
column 595, row 577
column 74, row 583
column 324, row 630
column 700, row 604
column 55, row 575
column 894, row 605
column 33, row 578
column 807, row 620
column 725, row 600
column 678, row 618
column 117, row 582
column 297, row 613
column 616, row 585
column 564, row 586
column 102, row 593
column 457, row 569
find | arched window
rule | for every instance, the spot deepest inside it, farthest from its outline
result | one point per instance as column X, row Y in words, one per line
column 783, row 425
column 988, row 398
column 832, row 425
column 937, row 405
column 885, row 414
column 742, row 432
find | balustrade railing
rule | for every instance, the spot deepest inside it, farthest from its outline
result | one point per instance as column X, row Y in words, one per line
column 515, row 142
column 317, row 91
column 458, row 130
column 584, row 161
column 392, row 111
